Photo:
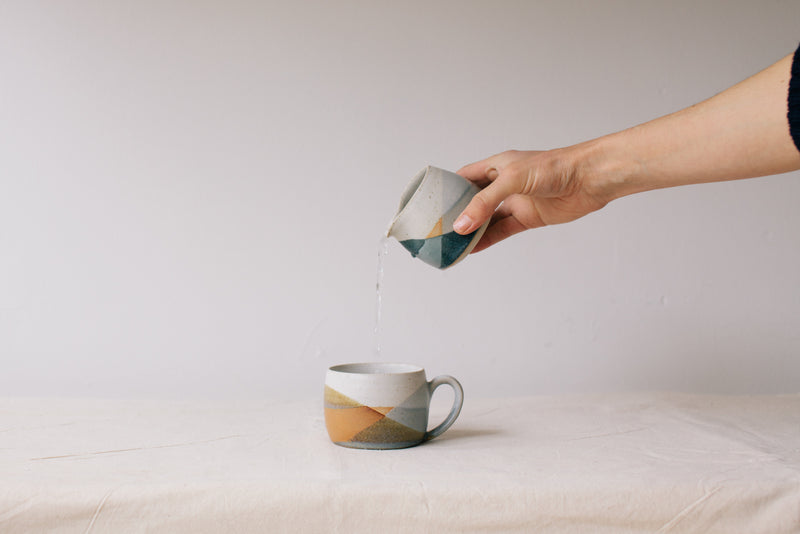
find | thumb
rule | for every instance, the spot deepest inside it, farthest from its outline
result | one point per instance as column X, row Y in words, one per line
column 483, row 205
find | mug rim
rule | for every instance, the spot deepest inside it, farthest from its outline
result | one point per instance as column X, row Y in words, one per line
column 376, row 368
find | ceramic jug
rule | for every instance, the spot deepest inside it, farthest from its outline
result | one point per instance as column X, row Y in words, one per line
column 424, row 221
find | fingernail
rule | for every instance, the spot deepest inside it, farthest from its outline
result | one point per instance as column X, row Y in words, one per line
column 462, row 224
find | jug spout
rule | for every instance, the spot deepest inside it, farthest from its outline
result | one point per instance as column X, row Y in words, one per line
column 389, row 229
column 424, row 220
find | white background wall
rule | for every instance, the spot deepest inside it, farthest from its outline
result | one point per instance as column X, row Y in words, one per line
column 192, row 196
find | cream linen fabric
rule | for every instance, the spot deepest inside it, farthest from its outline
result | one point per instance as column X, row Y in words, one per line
column 629, row 463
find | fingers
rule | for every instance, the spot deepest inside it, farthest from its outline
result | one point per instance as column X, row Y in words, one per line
column 481, row 172
column 486, row 174
column 521, row 190
column 482, row 205
column 499, row 230
column 515, row 214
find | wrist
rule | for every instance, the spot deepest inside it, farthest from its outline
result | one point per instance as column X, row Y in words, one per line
column 605, row 168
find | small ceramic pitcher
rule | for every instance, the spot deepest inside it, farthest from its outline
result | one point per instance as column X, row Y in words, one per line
column 428, row 208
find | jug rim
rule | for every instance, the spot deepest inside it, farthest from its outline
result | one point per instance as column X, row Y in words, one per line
column 411, row 190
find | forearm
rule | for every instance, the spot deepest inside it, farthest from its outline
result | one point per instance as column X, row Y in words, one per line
column 742, row 132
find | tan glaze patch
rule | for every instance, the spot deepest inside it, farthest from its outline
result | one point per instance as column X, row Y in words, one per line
column 383, row 409
column 344, row 423
column 388, row 431
column 334, row 398
column 437, row 230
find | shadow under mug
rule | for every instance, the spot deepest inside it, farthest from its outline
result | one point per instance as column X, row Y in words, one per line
column 383, row 405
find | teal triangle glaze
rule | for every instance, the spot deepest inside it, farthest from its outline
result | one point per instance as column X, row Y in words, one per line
column 440, row 251
column 453, row 245
column 413, row 245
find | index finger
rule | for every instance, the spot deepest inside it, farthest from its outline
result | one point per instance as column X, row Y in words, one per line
column 481, row 172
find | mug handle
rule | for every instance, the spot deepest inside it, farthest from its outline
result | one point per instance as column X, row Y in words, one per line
column 457, row 402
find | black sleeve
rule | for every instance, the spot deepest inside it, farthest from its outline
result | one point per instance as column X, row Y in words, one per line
column 794, row 99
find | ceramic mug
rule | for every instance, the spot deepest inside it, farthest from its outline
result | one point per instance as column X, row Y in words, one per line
column 383, row 405
column 424, row 221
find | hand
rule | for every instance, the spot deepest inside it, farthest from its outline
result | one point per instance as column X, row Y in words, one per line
column 741, row 132
column 525, row 190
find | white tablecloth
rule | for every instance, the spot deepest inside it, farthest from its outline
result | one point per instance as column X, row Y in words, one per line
column 628, row 463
